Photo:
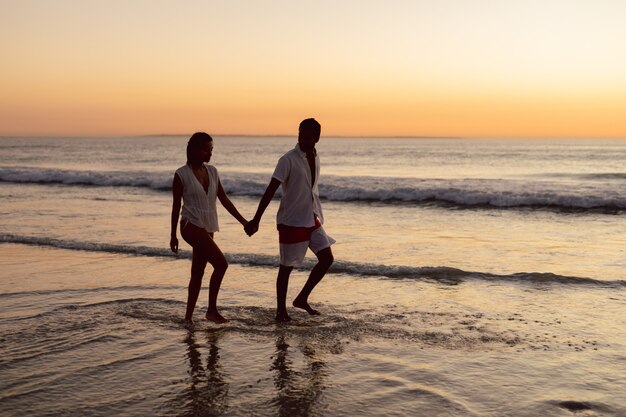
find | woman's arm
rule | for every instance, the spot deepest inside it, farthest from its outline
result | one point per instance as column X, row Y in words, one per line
column 177, row 194
column 228, row 205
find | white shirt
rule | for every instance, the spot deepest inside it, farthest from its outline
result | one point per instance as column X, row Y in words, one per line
column 300, row 201
column 199, row 206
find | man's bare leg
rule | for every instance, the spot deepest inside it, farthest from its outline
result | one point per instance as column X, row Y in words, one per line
column 282, row 283
column 324, row 260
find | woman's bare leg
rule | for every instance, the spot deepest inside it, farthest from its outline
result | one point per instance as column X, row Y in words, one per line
column 206, row 249
column 198, row 264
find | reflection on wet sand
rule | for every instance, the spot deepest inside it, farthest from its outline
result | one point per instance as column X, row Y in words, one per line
column 297, row 391
column 297, row 376
column 207, row 391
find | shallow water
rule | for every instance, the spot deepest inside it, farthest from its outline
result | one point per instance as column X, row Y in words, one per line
column 589, row 245
column 100, row 334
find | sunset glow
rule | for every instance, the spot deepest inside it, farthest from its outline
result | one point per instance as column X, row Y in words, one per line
column 532, row 68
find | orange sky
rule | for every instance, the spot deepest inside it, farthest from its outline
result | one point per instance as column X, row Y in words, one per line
column 552, row 68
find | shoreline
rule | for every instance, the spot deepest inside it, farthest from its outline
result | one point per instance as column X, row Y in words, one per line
column 380, row 347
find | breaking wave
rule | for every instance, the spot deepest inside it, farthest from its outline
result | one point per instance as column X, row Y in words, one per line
column 443, row 274
column 594, row 195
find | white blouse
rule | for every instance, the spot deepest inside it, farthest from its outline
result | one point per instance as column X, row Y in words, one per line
column 199, row 207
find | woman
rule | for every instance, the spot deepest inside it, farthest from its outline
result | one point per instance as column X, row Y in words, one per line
column 199, row 185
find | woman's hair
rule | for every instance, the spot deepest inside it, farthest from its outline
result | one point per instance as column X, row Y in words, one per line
column 196, row 142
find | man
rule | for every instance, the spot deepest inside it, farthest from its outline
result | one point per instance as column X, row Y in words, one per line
column 299, row 217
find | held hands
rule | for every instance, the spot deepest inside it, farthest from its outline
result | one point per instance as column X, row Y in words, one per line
column 251, row 227
column 174, row 244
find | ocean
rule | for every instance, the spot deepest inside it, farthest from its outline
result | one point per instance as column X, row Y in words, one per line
column 472, row 277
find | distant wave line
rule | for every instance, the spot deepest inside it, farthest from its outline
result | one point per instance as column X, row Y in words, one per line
column 157, row 181
column 441, row 274
column 124, row 288
column 458, row 193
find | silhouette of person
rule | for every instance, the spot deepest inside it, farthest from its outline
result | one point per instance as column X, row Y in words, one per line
column 198, row 185
column 299, row 217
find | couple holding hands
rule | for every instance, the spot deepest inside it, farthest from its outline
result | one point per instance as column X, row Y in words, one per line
column 299, row 219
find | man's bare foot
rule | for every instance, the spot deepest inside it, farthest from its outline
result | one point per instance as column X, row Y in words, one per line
column 282, row 318
column 215, row 317
column 188, row 323
column 305, row 306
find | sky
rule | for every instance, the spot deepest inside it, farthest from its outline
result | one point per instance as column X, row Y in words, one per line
column 470, row 68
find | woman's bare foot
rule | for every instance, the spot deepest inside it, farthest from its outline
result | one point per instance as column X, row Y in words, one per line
column 282, row 318
column 215, row 317
column 305, row 306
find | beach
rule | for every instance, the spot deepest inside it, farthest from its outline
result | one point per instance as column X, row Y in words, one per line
column 472, row 278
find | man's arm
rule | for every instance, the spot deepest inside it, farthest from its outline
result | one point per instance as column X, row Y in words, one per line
column 253, row 225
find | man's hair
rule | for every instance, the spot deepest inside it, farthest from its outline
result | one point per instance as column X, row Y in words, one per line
column 311, row 125
column 196, row 141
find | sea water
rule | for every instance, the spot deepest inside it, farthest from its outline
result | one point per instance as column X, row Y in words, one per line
column 472, row 277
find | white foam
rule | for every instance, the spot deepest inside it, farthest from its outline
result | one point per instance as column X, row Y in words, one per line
column 496, row 193
column 440, row 274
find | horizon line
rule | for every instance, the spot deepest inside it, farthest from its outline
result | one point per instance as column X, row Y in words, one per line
column 455, row 137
